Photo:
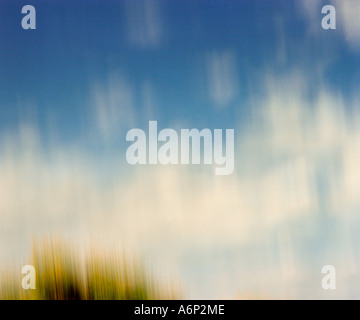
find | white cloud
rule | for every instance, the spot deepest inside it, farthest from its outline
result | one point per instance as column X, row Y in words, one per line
column 348, row 11
column 222, row 77
column 144, row 23
column 301, row 160
column 347, row 18
column 113, row 104
column 311, row 9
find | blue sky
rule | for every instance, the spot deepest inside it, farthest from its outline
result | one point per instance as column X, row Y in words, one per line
column 92, row 70
column 52, row 69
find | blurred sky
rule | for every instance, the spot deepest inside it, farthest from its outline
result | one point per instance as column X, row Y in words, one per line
column 92, row 70
column 201, row 60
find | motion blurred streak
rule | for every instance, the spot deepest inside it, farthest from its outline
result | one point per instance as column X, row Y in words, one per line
column 100, row 273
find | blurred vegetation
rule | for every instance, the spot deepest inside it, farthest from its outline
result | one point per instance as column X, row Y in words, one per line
column 63, row 272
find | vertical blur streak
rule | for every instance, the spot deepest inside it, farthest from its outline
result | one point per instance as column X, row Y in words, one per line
column 98, row 273
column 287, row 87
